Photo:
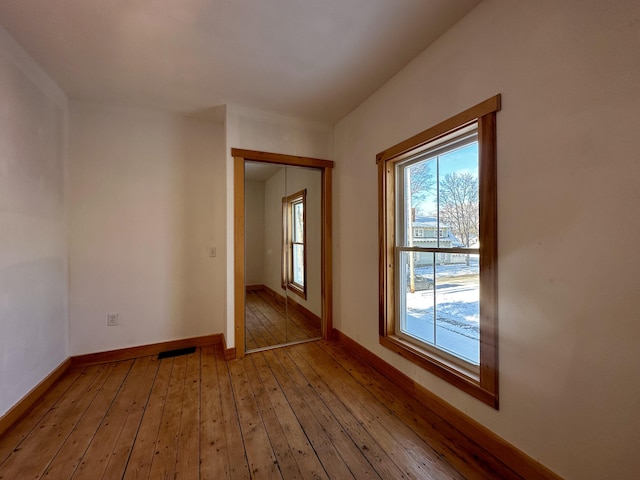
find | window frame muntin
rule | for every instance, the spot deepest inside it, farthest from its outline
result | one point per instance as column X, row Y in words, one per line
column 485, row 386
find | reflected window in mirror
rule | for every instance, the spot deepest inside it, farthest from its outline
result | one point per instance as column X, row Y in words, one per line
column 294, row 256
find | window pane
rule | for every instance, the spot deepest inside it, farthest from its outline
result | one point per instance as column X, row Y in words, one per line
column 439, row 302
column 420, row 204
column 416, row 294
column 298, row 222
column 457, row 305
column 298, row 264
column 458, row 195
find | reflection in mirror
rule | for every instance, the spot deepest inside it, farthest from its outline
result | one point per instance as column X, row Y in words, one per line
column 282, row 255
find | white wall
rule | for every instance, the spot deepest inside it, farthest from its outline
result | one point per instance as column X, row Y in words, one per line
column 33, row 246
column 147, row 201
column 254, row 232
column 254, row 129
column 568, row 195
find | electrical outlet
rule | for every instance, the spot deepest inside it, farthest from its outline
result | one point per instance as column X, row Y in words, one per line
column 112, row 319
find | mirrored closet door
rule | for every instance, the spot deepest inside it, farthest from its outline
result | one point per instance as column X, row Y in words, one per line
column 282, row 261
column 282, row 254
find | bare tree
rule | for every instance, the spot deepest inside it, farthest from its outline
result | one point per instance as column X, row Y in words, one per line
column 459, row 205
column 423, row 182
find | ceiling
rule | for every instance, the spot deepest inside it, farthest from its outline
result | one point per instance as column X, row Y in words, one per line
column 316, row 59
column 260, row 171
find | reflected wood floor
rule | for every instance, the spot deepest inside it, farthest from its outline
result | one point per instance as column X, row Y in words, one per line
column 269, row 322
column 307, row 411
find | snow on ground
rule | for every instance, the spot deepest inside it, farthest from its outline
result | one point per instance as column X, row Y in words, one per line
column 457, row 297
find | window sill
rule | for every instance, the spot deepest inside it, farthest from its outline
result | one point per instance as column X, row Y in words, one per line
column 300, row 291
column 465, row 380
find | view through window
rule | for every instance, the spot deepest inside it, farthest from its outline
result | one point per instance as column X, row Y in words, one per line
column 438, row 248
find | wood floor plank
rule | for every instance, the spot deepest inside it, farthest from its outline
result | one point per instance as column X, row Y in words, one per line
column 75, row 446
column 470, row 458
column 307, row 411
column 12, row 439
column 163, row 464
column 402, row 443
column 353, row 457
column 328, row 453
column 260, row 455
column 188, row 461
column 110, row 437
column 214, row 457
column 375, row 454
column 408, row 451
column 276, row 317
column 259, row 328
column 305, row 456
column 464, row 454
column 121, row 454
column 269, row 322
column 309, row 327
column 143, row 451
column 281, row 449
column 237, row 458
column 285, row 318
column 249, row 331
column 32, row 458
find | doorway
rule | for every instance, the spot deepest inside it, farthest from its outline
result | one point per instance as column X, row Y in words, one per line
column 282, row 264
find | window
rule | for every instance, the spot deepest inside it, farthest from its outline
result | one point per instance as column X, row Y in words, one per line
column 419, row 232
column 295, row 234
column 445, row 177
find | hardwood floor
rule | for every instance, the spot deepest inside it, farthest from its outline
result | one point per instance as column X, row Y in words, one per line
column 268, row 322
column 307, row 411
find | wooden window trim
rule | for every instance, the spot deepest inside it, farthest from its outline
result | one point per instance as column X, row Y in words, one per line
column 484, row 384
column 287, row 257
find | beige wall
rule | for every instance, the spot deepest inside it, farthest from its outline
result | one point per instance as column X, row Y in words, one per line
column 274, row 190
column 568, row 172
column 147, row 202
column 33, row 243
column 254, row 232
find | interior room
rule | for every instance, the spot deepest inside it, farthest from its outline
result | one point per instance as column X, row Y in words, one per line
column 214, row 179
